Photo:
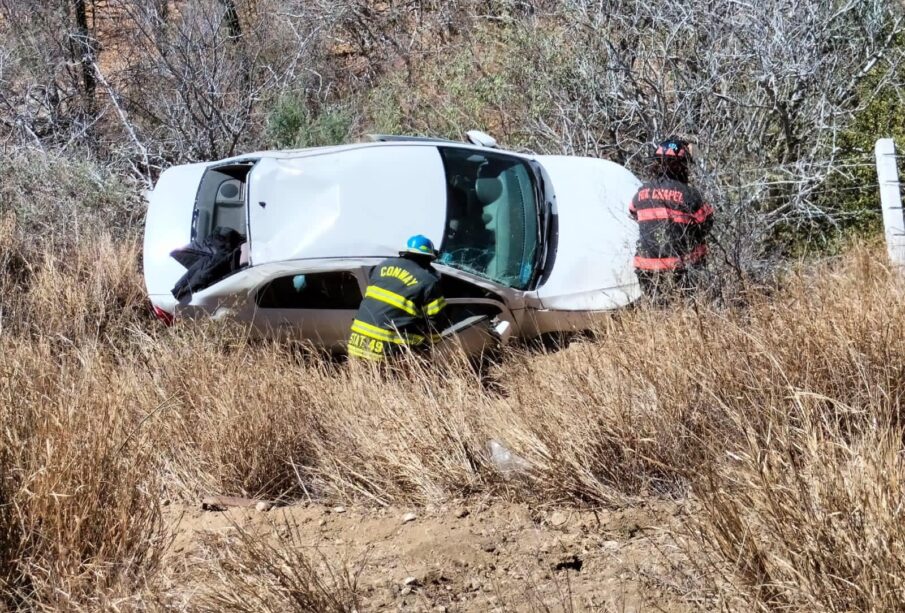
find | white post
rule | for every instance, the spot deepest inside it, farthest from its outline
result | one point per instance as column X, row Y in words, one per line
column 891, row 200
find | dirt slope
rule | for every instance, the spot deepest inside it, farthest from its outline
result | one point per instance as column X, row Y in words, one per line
column 464, row 558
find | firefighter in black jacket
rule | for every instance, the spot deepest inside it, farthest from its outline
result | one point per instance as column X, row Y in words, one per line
column 401, row 305
column 673, row 223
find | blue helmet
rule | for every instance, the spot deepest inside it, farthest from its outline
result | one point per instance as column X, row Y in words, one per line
column 420, row 245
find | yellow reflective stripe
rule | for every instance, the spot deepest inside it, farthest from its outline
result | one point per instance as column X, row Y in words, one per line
column 377, row 333
column 371, row 331
column 387, row 297
column 435, row 307
column 358, row 352
column 387, row 336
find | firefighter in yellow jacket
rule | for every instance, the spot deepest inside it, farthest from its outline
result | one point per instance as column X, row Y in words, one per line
column 402, row 305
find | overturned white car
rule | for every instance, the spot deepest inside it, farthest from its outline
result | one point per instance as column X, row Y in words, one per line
column 540, row 242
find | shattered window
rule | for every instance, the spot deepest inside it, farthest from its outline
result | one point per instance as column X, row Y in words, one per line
column 492, row 216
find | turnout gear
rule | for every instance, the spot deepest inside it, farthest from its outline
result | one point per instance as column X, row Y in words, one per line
column 673, row 223
column 400, row 309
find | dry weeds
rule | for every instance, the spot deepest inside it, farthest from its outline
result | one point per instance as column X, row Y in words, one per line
column 778, row 422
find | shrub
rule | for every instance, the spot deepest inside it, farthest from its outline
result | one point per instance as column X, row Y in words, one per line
column 291, row 124
column 58, row 199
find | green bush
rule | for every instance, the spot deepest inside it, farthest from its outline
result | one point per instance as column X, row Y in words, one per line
column 292, row 124
column 498, row 80
column 852, row 192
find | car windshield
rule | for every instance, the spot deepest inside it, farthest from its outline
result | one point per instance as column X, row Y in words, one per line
column 492, row 216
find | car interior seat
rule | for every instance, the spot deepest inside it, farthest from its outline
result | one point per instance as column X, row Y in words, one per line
column 229, row 206
column 490, row 190
column 203, row 225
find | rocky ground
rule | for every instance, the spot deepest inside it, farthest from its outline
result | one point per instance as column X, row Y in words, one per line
column 476, row 556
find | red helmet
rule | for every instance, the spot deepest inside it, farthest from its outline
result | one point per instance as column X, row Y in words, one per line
column 672, row 159
column 674, row 149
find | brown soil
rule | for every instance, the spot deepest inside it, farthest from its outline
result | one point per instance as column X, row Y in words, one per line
column 467, row 558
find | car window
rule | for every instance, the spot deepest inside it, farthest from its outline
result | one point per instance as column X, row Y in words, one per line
column 220, row 202
column 492, row 216
column 319, row 290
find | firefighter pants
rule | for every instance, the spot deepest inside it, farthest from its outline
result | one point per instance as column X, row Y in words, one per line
column 660, row 287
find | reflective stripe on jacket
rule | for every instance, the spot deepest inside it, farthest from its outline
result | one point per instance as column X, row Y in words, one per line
column 673, row 223
column 400, row 308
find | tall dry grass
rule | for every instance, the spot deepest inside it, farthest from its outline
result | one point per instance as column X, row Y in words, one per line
column 779, row 422
column 79, row 493
column 247, row 574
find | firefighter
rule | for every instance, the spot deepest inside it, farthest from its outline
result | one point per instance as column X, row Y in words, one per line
column 673, row 223
column 402, row 305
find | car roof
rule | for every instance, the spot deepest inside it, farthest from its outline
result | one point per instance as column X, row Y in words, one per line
column 358, row 200
column 381, row 141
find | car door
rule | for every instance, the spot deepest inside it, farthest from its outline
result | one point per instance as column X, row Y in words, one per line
column 317, row 306
column 474, row 307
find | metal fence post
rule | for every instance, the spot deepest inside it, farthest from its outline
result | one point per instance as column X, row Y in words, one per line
column 891, row 200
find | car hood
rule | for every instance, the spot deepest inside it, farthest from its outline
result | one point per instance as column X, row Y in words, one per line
column 593, row 268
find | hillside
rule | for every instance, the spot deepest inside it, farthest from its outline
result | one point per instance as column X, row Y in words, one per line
column 739, row 451
column 754, row 447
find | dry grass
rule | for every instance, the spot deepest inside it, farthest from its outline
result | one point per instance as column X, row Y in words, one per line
column 246, row 573
column 779, row 422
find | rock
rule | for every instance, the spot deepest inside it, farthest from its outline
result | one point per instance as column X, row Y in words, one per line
column 339, row 509
column 507, row 463
column 409, row 517
column 210, row 504
column 434, row 577
column 410, row 581
column 461, row 512
column 610, row 545
column 558, row 518
column 263, row 506
column 221, row 503
column 489, row 547
column 322, row 522
column 569, row 562
column 405, row 591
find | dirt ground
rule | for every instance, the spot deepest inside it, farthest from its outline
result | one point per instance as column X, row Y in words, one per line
column 477, row 556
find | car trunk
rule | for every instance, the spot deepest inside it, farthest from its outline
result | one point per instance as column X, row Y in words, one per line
column 189, row 204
